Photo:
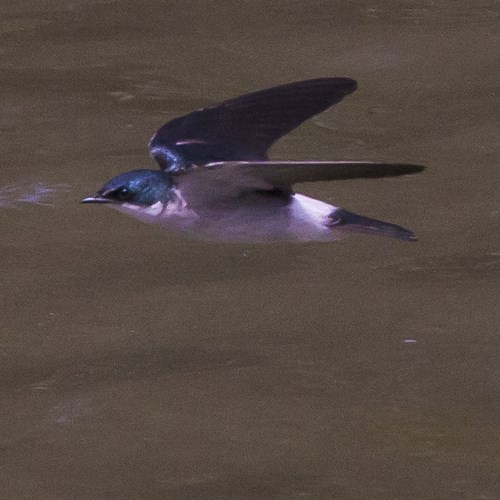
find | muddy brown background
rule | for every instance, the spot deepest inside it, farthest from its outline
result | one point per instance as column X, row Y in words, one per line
column 138, row 364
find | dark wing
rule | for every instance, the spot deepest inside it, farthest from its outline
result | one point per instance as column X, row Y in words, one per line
column 284, row 174
column 245, row 127
column 219, row 179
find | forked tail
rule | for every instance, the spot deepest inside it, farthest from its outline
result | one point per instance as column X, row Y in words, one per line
column 349, row 221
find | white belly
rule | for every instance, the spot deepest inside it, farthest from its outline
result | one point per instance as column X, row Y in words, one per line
column 257, row 220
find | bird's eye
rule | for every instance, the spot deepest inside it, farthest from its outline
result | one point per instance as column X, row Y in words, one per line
column 123, row 194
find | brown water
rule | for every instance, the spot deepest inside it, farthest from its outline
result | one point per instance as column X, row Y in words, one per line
column 138, row 364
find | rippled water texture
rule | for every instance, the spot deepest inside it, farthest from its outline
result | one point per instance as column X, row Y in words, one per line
column 138, row 364
column 13, row 195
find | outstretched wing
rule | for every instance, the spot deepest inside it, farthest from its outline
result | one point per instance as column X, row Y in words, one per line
column 284, row 174
column 219, row 179
column 245, row 127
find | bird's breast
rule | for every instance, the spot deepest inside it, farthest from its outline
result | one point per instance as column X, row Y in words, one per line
column 165, row 213
column 248, row 220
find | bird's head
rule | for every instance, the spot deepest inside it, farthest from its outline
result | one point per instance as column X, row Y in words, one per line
column 139, row 188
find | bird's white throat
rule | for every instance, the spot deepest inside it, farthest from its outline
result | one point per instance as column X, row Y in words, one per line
column 160, row 212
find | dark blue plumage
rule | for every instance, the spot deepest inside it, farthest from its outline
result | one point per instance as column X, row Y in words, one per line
column 141, row 187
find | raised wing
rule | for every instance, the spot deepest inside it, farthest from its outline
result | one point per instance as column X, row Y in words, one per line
column 245, row 127
column 219, row 179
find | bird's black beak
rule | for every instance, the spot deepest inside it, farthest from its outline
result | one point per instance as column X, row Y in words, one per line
column 96, row 199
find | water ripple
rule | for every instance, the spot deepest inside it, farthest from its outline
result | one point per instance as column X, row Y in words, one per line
column 39, row 193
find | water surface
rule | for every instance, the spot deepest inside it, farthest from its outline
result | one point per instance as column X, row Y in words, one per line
column 138, row 364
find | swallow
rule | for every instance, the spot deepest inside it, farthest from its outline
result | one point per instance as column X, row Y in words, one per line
column 217, row 183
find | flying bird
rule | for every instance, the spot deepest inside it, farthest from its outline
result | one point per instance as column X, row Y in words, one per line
column 217, row 183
